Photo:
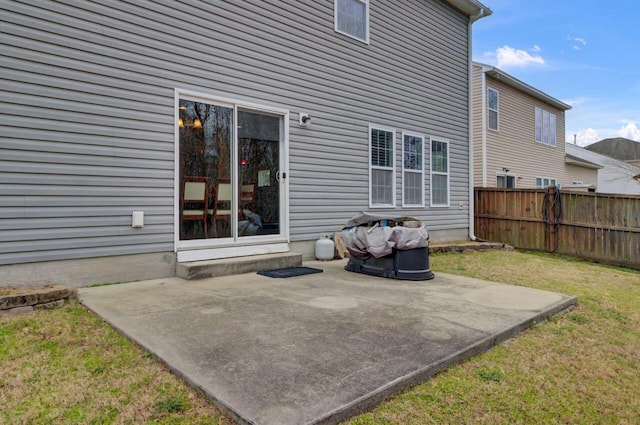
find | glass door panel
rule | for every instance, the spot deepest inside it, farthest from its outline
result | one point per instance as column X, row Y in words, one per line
column 206, row 142
column 258, row 188
column 229, row 172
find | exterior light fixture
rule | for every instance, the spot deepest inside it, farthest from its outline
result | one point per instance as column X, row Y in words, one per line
column 304, row 119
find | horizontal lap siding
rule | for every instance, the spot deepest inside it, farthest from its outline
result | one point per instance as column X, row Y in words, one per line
column 417, row 82
column 514, row 147
column 86, row 140
column 87, row 109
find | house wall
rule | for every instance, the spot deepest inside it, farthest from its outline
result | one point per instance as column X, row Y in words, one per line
column 88, row 126
column 614, row 176
column 478, row 123
column 513, row 146
column 588, row 176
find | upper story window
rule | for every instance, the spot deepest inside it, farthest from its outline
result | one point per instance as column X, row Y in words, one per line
column 545, row 127
column 352, row 18
column 492, row 106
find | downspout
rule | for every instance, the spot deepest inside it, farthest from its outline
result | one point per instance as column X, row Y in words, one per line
column 472, row 19
column 483, row 90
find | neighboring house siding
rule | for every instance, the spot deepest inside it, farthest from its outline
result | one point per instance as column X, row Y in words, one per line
column 588, row 176
column 614, row 177
column 88, row 110
column 513, row 147
column 479, row 125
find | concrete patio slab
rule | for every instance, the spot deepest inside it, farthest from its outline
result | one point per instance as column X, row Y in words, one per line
column 316, row 348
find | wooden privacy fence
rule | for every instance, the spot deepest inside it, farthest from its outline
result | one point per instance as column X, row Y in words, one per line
column 601, row 227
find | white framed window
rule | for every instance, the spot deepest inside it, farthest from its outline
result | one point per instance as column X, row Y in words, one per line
column 351, row 17
column 492, row 107
column 412, row 170
column 545, row 182
column 506, row 181
column 439, row 159
column 545, row 127
column 382, row 188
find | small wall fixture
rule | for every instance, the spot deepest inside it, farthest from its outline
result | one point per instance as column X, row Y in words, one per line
column 304, row 119
column 137, row 219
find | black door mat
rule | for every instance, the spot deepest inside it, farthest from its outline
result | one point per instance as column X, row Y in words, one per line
column 290, row 272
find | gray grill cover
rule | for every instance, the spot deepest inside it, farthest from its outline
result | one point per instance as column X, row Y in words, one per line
column 378, row 241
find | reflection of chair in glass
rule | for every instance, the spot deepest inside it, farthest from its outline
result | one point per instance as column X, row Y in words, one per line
column 222, row 204
column 248, row 197
column 195, row 200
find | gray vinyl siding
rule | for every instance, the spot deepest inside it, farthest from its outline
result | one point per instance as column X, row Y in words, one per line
column 87, row 110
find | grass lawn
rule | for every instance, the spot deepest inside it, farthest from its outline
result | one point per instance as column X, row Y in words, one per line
column 66, row 366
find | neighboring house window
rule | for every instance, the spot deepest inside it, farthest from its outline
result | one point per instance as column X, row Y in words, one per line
column 545, row 127
column 439, row 173
column 506, row 181
column 381, row 167
column 352, row 18
column 544, row 182
column 412, row 171
column 492, row 105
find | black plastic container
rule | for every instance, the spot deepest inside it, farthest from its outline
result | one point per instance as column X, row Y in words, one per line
column 410, row 264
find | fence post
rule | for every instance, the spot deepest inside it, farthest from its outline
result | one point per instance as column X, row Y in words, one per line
column 552, row 224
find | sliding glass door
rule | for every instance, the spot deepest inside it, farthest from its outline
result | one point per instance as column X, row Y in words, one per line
column 230, row 167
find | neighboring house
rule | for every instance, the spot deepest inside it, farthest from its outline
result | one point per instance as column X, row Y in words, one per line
column 519, row 135
column 613, row 176
column 619, row 148
column 138, row 134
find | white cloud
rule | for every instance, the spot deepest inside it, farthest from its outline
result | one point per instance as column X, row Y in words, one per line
column 630, row 131
column 575, row 102
column 579, row 42
column 535, row 48
column 509, row 57
column 584, row 138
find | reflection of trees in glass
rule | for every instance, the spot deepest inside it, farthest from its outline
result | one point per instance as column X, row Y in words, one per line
column 205, row 140
column 412, row 153
column 205, row 136
column 259, row 149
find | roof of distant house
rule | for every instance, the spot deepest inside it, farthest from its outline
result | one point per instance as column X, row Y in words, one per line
column 617, row 147
column 614, row 176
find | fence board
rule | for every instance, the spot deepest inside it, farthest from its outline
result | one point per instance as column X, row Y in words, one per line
column 600, row 227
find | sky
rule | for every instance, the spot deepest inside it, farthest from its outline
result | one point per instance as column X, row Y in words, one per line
column 583, row 53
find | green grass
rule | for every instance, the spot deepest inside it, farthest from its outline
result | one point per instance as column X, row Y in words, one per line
column 579, row 368
column 66, row 366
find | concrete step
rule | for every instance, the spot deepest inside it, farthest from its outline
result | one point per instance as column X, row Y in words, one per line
column 237, row 265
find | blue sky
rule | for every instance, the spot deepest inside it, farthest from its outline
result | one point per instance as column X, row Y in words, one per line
column 584, row 53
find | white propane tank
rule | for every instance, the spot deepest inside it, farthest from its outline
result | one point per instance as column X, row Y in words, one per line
column 324, row 248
